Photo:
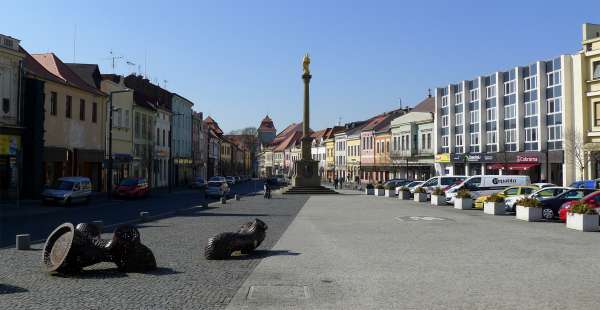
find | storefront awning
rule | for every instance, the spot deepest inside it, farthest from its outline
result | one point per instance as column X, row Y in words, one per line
column 521, row 167
column 495, row 166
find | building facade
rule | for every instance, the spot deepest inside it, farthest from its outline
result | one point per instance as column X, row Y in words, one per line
column 181, row 109
column 162, row 147
column 509, row 122
column 199, row 145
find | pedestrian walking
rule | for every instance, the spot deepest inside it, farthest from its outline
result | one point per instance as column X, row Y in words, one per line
column 341, row 183
column 267, row 188
column 335, row 182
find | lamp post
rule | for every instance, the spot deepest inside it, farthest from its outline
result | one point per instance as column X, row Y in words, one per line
column 110, row 125
column 171, row 150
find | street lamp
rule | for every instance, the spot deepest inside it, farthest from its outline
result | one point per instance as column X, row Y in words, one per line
column 110, row 125
column 171, row 150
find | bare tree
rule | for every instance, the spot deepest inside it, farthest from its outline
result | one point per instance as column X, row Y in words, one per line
column 575, row 143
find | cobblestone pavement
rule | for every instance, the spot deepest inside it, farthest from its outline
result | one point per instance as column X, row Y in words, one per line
column 184, row 280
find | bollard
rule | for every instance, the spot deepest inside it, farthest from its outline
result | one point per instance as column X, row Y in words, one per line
column 99, row 224
column 237, row 197
column 23, row 242
column 144, row 215
column 223, row 200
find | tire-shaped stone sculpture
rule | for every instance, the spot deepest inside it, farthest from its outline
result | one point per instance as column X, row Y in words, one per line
column 246, row 239
column 69, row 249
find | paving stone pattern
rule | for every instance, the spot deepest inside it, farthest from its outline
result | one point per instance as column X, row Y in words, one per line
column 184, row 280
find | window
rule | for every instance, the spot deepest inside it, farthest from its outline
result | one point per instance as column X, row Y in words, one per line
column 458, row 118
column 94, row 112
column 458, row 98
column 530, row 83
column 490, row 114
column 429, row 141
column 82, row 109
column 474, row 117
column 554, row 105
column 119, row 119
column 387, row 146
column 491, row 137
column 509, row 87
column 423, row 141
column 596, row 70
column 509, row 111
column 530, row 108
column 444, row 101
column 553, row 78
column 474, row 145
column 554, row 132
column 444, row 141
column 444, row 120
column 144, row 126
column 157, row 136
column 510, row 136
column 459, row 140
column 68, row 107
column 490, row 91
column 531, row 134
column 137, row 126
column 474, row 94
column 53, row 103
column 597, row 113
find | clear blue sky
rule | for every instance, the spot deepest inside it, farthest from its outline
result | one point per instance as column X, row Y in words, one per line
column 238, row 60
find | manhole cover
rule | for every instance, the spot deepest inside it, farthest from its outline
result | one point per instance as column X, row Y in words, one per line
column 278, row 292
column 428, row 219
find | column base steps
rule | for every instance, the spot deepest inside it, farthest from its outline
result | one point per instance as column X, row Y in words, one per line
column 308, row 190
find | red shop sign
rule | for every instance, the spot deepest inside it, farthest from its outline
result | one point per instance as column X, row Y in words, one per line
column 527, row 159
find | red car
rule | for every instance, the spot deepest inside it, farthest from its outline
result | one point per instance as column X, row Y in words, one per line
column 132, row 188
column 592, row 200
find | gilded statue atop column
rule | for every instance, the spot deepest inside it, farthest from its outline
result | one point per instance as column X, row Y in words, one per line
column 305, row 63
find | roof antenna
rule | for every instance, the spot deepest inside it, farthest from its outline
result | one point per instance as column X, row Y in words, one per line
column 74, row 42
column 400, row 99
column 429, row 92
column 165, row 82
column 340, row 121
column 131, row 65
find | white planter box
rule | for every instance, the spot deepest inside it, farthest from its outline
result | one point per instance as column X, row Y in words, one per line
column 582, row 222
column 420, row 197
column 438, row 200
column 404, row 195
column 463, row 203
column 529, row 214
column 390, row 193
column 369, row 191
column 379, row 192
column 494, row 208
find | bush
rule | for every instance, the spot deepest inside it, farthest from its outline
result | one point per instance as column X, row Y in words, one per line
column 529, row 203
column 438, row 191
column 404, row 189
column 379, row 186
column 494, row 198
column 463, row 194
column 420, row 190
column 581, row 208
column 370, row 186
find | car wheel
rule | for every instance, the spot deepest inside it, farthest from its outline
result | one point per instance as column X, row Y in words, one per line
column 548, row 214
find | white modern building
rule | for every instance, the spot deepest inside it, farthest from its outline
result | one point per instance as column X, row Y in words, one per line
column 509, row 122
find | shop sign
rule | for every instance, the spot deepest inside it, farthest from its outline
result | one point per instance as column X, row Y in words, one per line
column 442, row 158
column 528, row 159
column 473, row 158
column 9, row 144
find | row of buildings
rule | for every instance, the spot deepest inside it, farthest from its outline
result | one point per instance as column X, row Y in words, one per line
column 540, row 119
column 68, row 119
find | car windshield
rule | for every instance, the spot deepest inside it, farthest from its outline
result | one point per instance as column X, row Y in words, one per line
column 214, row 184
column 129, row 182
column 413, row 184
column 216, row 179
column 573, row 194
column 63, row 185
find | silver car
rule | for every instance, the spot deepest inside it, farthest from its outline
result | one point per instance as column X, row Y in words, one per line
column 68, row 190
column 217, row 189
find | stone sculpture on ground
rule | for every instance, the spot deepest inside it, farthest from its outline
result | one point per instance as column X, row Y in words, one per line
column 246, row 239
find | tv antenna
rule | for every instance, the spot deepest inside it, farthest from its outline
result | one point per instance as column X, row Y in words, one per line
column 113, row 58
column 131, row 64
column 165, row 82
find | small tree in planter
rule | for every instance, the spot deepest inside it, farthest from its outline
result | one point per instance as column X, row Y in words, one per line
column 404, row 193
column 420, row 194
column 390, row 190
column 438, row 197
column 529, row 209
column 379, row 190
column 463, row 200
column 581, row 217
column 369, row 189
column 494, row 205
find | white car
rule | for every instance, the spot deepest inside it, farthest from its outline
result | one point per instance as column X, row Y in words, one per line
column 410, row 186
column 217, row 189
column 540, row 194
column 544, row 185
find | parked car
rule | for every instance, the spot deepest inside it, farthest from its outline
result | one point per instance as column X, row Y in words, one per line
column 198, row 182
column 483, row 185
column 230, row 180
column 68, row 190
column 237, row 179
column 540, row 194
column 217, row 179
column 595, row 184
column 132, row 188
column 444, row 182
column 544, row 185
column 396, row 182
column 551, row 206
column 592, row 200
column 508, row 192
column 410, row 185
column 217, row 189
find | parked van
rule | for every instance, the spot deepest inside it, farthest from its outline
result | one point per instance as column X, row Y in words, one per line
column 442, row 181
column 68, row 190
column 480, row 185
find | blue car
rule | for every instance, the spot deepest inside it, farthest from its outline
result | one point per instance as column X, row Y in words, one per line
column 594, row 184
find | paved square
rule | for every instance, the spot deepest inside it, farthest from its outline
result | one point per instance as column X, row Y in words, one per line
column 355, row 253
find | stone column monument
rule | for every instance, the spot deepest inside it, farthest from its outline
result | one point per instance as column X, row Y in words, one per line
column 306, row 178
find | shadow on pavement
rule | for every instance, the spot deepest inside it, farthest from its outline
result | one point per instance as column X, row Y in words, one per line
column 11, row 289
column 259, row 254
column 221, row 214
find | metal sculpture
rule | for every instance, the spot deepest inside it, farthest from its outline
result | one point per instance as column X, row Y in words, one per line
column 246, row 239
column 69, row 249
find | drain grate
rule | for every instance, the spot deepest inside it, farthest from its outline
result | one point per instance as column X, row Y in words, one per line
column 278, row 292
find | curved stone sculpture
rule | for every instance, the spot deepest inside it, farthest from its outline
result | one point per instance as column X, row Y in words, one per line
column 246, row 239
column 69, row 249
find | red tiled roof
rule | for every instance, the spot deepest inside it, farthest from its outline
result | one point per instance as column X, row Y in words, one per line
column 427, row 105
column 213, row 125
column 266, row 124
column 289, row 141
column 60, row 70
column 33, row 67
